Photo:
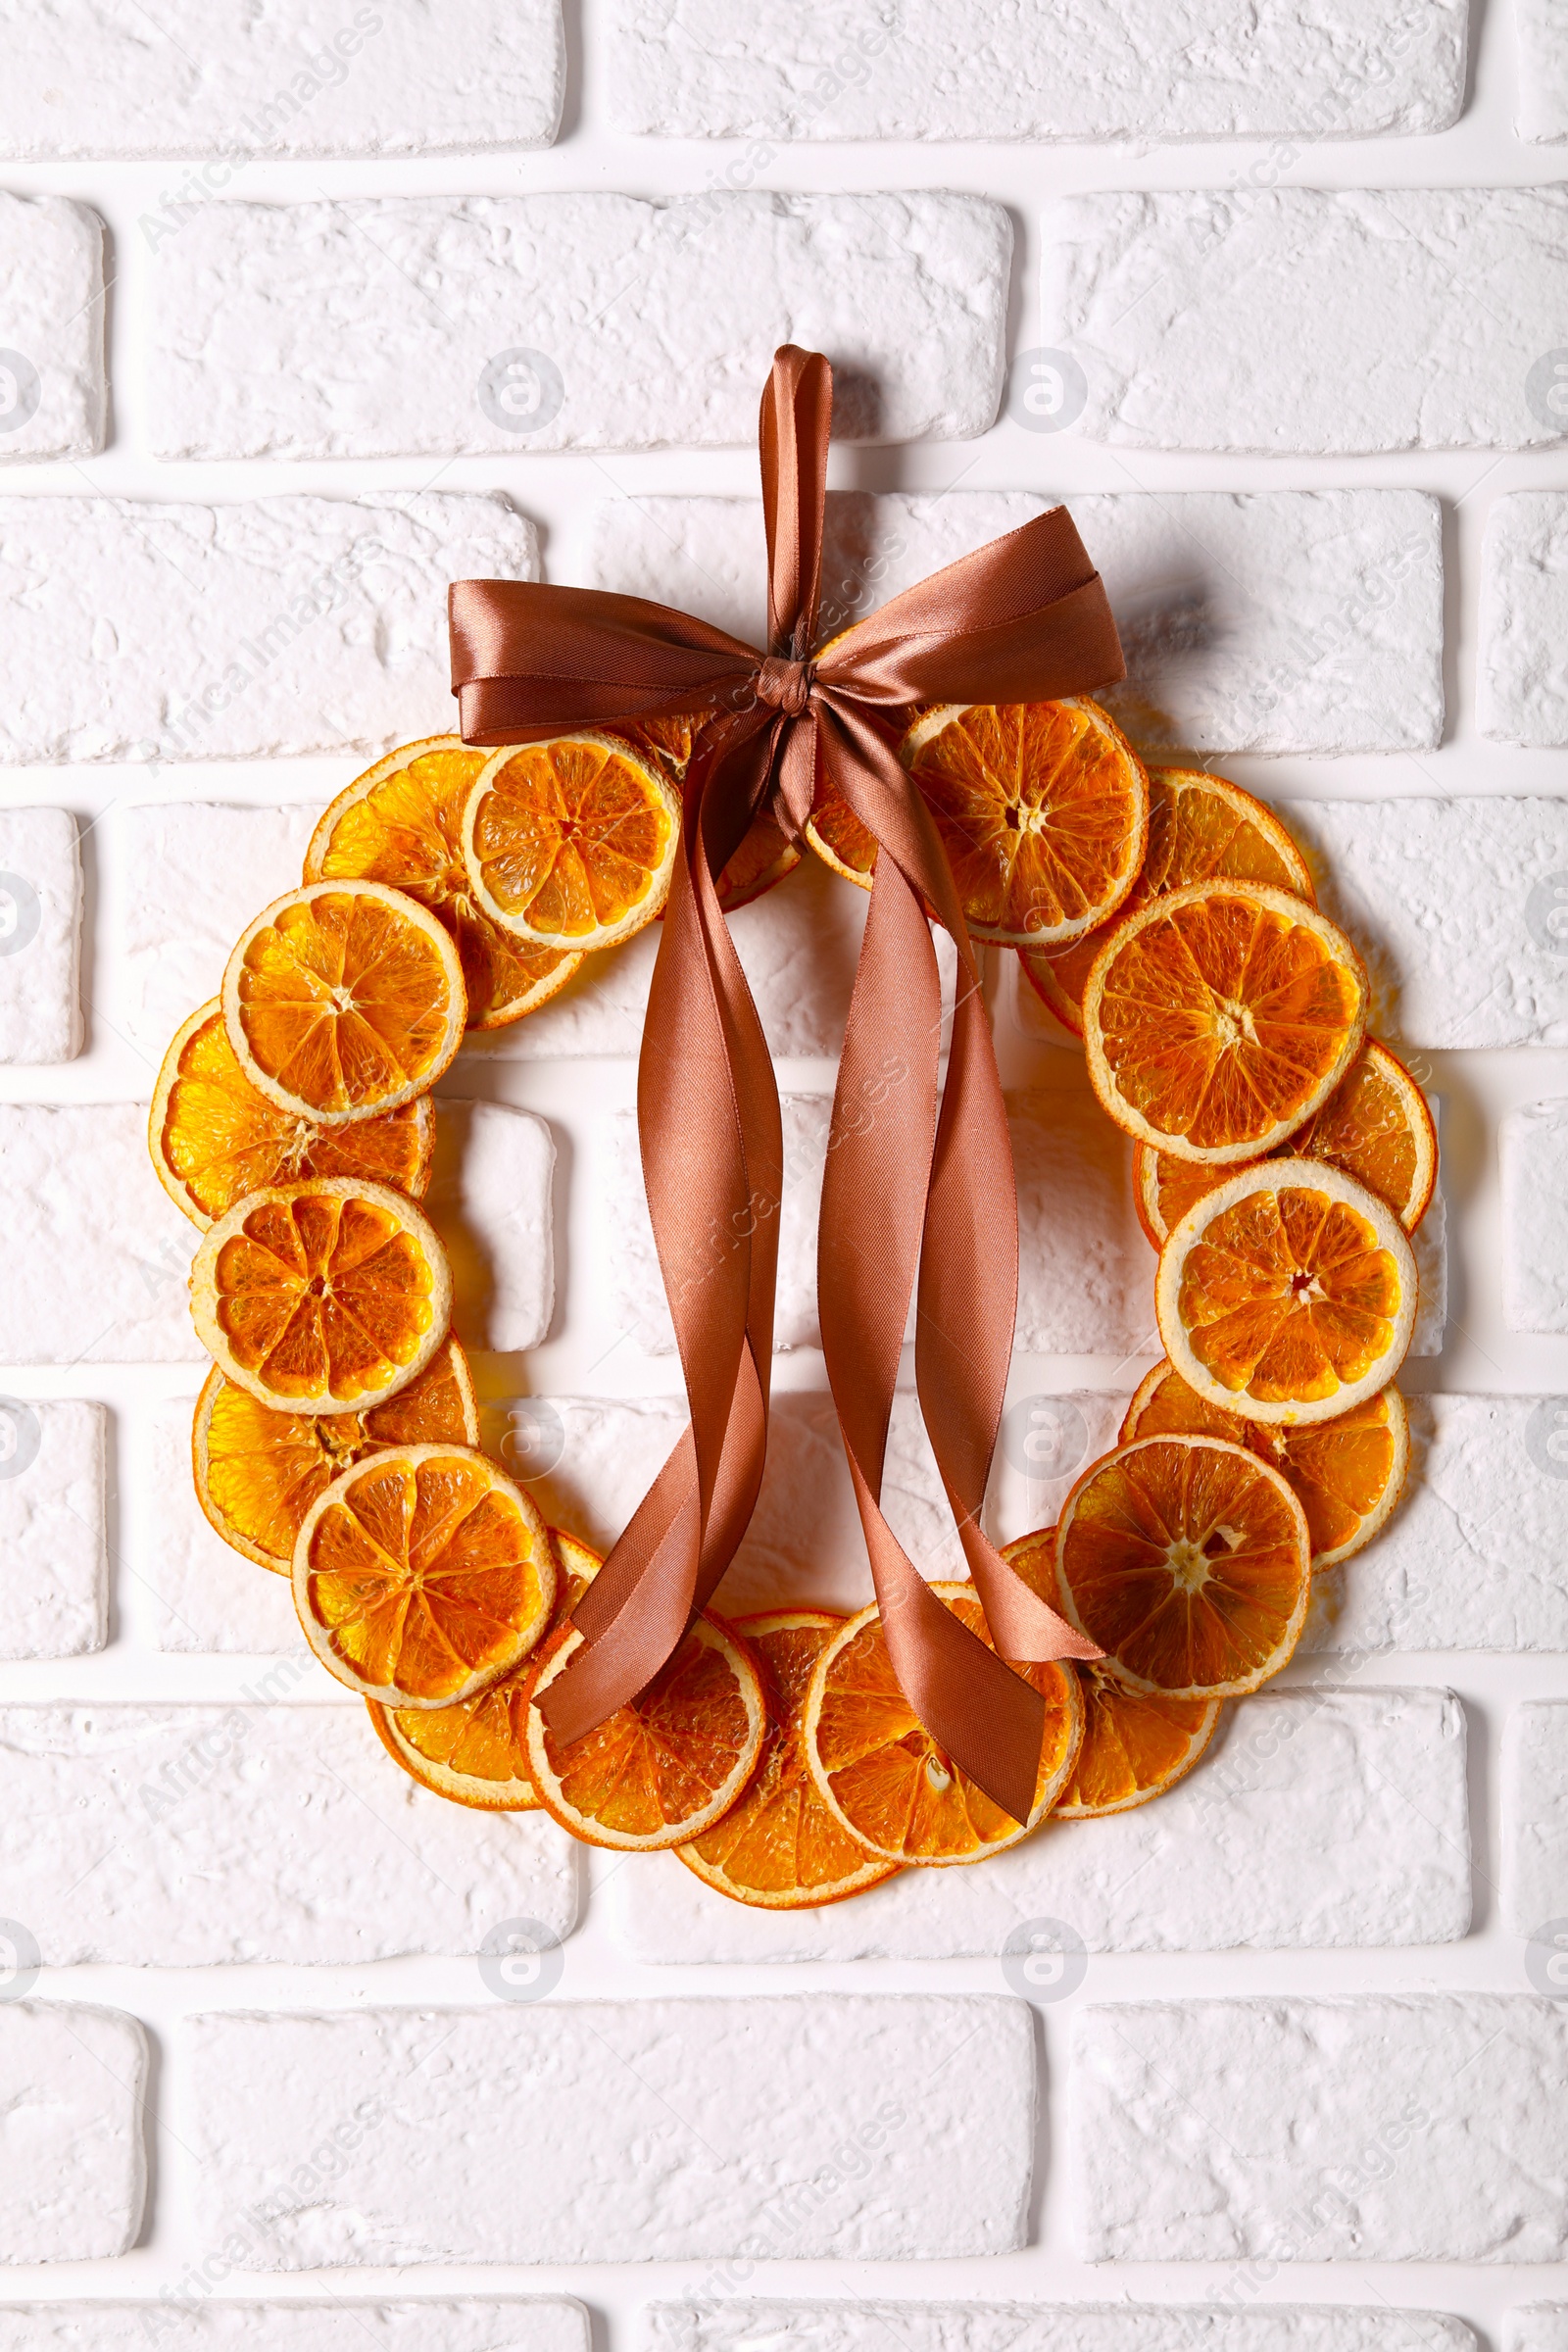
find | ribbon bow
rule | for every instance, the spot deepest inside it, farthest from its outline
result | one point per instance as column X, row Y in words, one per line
column 918, row 1181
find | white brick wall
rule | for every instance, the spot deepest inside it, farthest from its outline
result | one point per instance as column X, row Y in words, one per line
column 1303, row 380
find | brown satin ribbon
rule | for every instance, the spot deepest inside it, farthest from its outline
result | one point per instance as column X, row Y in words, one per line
column 917, row 1190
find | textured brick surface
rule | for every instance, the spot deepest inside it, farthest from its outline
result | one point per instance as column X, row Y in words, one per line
column 1521, row 676
column 1314, row 1820
column 207, row 1597
column 1538, row 2328
column 689, row 68
column 1542, row 107
column 53, row 391
column 54, row 1546
column 170, row 1837
column 220, row 79
column 490, row 1201
column 832, row 2125
column 866, row 2326
column 72, row 2161
column 657, row 319
column 1453, row 904
column 40, row 936
column 1535, row 1816
column 1395, row 2129
column 1533, row 1148
column 148, row 630
column 506, row 2325
column 1247, row 319
column 1285, row 621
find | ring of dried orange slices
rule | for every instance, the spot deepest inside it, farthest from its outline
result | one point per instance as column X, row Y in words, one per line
column 1282, row 1159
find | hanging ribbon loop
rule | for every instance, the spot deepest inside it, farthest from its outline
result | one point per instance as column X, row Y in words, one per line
column 918, row 1199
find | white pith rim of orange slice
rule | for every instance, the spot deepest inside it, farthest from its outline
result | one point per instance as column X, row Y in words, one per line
column 1279, row 1176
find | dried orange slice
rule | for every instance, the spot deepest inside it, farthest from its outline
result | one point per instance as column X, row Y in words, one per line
column 780, row 1848
column 666, row 1766
column 402, row 823
column 472, row 1753
column 1348, row 1473
column 1288, row 1293
column 1201, row 828
column 570, row 842
column 422, row 1575
column 258, row 1470
column 214, row 1138
column 1187, row 1562
column 1375, row 1125
column 838, row 838
column 1219, row 1019
column 322, row 1298
column 882, row 1776
column 1043, row 808
column 344, row 999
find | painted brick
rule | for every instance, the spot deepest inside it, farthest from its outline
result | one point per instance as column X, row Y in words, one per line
column 907, row 294
column 1538, row 2328
column 73, row 2164
column 1533, row 1153
column 1534, row 1815
column 208, row 1597
column 171, row 1835
column 490, row 1201
column 53, row 390
column 1541, row 110
column 1476, row 1556
column 1336, row 1819
column 40, row 936
column 686, row 69
column 1521, row 680
column 223, row 81
column 1453, row 903
column 1303, row 622
column 54, row 1546
column 867, row 2326
column 261, row 630
column 507, row 2325
column 80, row 1287
column 1395, row 2129
column 1242, row 318
column 723, row 2110
column 185, row 879
column 804, row 1545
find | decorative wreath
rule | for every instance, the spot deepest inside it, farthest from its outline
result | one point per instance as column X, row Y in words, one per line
column 619, row 761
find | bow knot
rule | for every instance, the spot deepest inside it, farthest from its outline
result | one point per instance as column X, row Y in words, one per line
column 786, row 685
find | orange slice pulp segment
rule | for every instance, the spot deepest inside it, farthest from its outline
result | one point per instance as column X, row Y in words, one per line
column 422, row 1575
column 1219, row 1019
column 779, row 1848
column 472, row 1753
column 322, row 1298
column 1188, row 1561
column 1288, row 1293
column 343, row 1000
column 1201, row 828
column 883, row 1777
column 570, row 842
column 1348, row 1473
column 667, row 1765
column 402, row 823
column 214, row 1138
column 258, row 1470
